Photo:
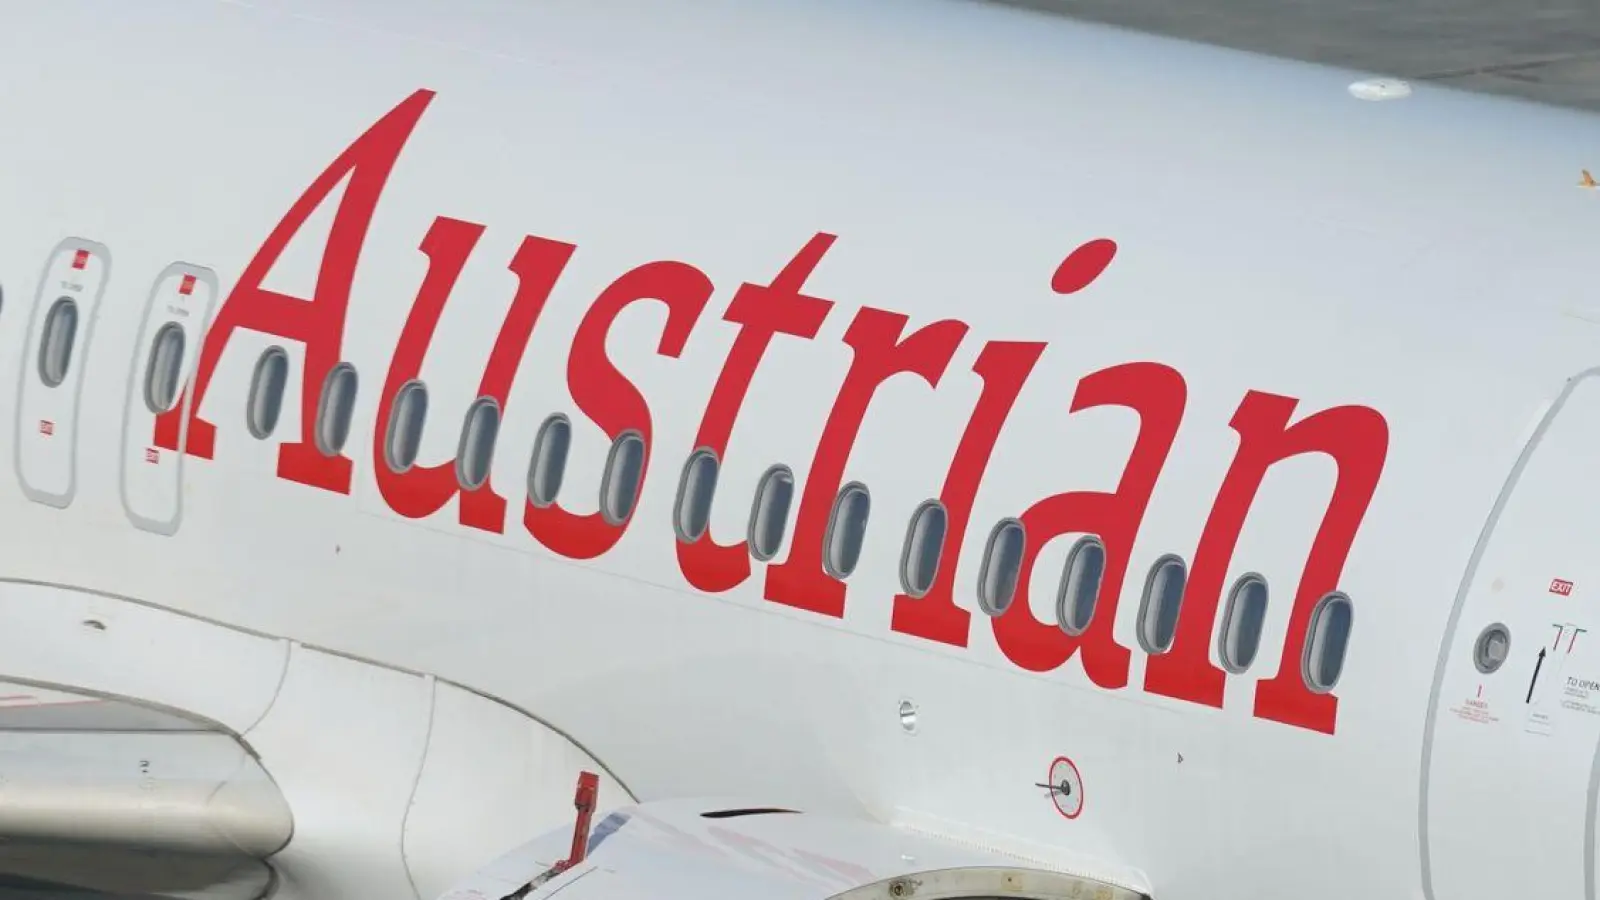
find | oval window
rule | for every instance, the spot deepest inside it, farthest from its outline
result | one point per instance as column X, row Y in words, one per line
column 475, row 452
column 1080, row 585
column 619, row 489
column 1002, row 565
column 695, row 490
column 769, row 517
column 1329, row 639
column 56, row 342
column 164, row 370
column 266, row 392
column 1243, row 620
column 919, row 563
column 847, row 530
column 1163, row 597
column 334, row 409
column 548, row 466
column 408, row 412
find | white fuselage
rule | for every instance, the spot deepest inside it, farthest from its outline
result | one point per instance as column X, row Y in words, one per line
column 1326, row 334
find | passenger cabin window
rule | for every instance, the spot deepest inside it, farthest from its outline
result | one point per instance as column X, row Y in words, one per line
column 334, row 409
column 1242, row 622
column 619, row 489
column 692, row 513
column 1080, row 585
column 847, row 530
column 408, row 412
column 919, row 562
column 164, row 369
column 1330, row 638
column 475, row 452
column 1158, row 611
column 266, row 392
column 56, row 341
column 1002, row 564
column 769, row 516
column 549, row 463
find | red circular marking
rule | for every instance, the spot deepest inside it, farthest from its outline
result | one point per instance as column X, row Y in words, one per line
column 1083, row 265
column 1076, row 806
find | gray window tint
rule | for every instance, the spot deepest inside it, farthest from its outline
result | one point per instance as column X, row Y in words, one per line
column 164, row 369
column 1330, row 638
column 266, row 392
column 334, row 409
column 549, row 463
column 1242, row 622
column 1080, row 585
column 475, row 453
column 919, row 562
column 769, row 517
column 619, row 489
column 1163, row 596
column 408, row 412
column 1002, row 563
column 847, row 530
column 692, row 513
column 56, row 341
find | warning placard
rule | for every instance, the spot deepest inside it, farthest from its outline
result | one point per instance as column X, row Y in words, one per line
column 1475, row 711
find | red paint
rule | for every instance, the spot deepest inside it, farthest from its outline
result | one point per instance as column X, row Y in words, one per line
column 1083, row 265
column 423, row 490
column 586, row 796
column 851, row 874
column 797, row 864
column 186, row 286
column 762, row 314
column 1561, row 586
column 1054, row 779
column 1004, row 367
column 47, row 427
column 80, row 259
column 608, row 398
column 1158, row 394
column 880, row 352
column 318, row 323
column 1357, row 438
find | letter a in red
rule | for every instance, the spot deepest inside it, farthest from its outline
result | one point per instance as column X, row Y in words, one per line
column 317, row 323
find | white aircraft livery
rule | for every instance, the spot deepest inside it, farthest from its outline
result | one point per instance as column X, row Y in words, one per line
column 800, row 449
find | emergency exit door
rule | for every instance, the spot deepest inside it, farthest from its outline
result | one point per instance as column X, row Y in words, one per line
column 1509, row 749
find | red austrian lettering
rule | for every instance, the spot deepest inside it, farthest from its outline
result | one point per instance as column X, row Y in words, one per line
column 880, row 352
column 1004, row 367
column 1357, row 439
column 1158, row 394
column 422, row 490
column 762, row 314
column 318, row 323
column 609, row 399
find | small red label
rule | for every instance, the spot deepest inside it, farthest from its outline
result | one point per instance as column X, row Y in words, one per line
column 187, row 287
column 152, row 455
column 47, row 427
column 1561, row 586
column 80, row 259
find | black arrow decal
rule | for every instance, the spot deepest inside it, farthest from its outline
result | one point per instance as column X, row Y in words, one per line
column 1535, row 680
